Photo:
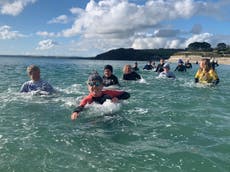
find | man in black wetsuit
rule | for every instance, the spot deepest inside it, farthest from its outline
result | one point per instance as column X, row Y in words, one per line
column 109, row 78
column 159, row 68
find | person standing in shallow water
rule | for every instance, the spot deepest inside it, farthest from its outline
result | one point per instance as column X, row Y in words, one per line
column 129, row 74
column 180, row 67
column 167, row 73
column 159, row 68
column 188, row 64
column 206, row 74
column 109, row 78
column 135, row 67
column 36, row 84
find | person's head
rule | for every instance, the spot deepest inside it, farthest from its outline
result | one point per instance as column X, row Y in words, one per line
column 166, row 67
column 162, row 61
column 135, row 64
column 205, row 64
column 33, row 72
column 108, row 70
column 95, row 85
column 180, row 62
column 127, row 69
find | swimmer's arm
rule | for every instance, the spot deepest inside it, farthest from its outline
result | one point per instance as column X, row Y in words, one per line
column 80, row 108
column 215, row 82
column 76, row 112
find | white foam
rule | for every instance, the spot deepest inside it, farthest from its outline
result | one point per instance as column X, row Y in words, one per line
column 142, row 80
column 107, row 107
column 72, row 89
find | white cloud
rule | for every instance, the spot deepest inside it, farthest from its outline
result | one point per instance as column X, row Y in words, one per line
column 156, row 42
column 60, row 19
column 77, row 11
column 119, row 17
column 15, row 7
column 163, row 42
column 46, row 34
column 46, row 44
column 6, row 33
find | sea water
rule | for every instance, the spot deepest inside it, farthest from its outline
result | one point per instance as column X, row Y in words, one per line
column 166, row 125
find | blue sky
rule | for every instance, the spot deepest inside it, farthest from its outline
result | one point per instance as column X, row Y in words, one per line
column 90, row 27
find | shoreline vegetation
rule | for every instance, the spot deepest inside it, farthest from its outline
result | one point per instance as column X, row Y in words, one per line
column 129, row 54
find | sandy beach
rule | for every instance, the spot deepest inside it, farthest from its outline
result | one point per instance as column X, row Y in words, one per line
column 194, row 58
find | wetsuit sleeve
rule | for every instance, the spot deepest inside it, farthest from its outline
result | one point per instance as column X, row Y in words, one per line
column 215, row 77
column 78, row 109
column 138, row 76
column 116, row 80
column 119, row 94
column 176, row 68
column 48, row 88
column 123, row 96
column 197, row 76
column 158, row 68
column 82, row 104
column 124, row 77
column 24, row 88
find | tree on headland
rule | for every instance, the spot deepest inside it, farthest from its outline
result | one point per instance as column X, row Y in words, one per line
column 221, row 47
column 199, row 46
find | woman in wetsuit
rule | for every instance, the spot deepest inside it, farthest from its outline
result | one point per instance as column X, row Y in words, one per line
column 129, row 74
column 206, row 74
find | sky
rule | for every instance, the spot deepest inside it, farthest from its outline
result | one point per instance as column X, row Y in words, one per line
column 86, row 28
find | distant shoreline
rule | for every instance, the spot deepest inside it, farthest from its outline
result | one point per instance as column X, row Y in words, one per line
column 173, row 58
column 194, row 58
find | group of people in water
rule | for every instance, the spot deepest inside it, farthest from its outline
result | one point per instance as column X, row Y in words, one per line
column 97, row 84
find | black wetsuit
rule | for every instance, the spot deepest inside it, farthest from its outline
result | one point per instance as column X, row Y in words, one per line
column 148, row 67
column 112, row 80
column 188, row 65
column 160, row 68
column 135, row 68
column 180, row 68
column 131, row 76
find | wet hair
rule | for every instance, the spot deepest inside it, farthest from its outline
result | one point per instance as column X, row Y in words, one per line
column 206, row 63
column 109, row 67
column 32, row 68
column 126, row 67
